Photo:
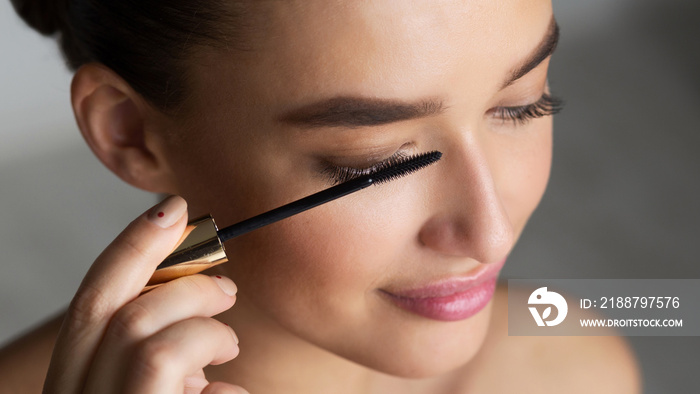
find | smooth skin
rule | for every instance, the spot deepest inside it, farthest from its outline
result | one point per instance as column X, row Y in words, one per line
column 310, row 310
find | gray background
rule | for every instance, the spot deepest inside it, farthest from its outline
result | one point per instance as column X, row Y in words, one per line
column 621, row 202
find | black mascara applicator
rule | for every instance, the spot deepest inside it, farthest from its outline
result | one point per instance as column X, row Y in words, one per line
column 202, row 246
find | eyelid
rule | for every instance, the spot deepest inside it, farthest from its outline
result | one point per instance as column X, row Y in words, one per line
column 339, row 174
column 546, row 105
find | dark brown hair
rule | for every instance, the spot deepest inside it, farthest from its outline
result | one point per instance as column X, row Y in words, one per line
column 146, row 42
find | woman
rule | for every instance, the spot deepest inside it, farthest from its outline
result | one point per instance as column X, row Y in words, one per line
column 239, row 108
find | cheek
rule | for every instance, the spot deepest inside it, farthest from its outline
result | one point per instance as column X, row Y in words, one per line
column 524, row 173
column 327, row 262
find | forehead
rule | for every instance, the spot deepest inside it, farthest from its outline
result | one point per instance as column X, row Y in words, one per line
column 303, row 49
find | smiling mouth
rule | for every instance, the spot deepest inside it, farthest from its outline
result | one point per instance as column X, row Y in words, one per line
column 453, row 299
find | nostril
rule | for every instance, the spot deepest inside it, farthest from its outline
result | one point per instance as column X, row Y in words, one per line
column 444, row 237
column 486, row 240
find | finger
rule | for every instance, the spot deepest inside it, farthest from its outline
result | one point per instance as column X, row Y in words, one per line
column 180, row 299
column 223, row 388
column 198, row 384
column 161, row 362
column 117, row 276
column 195, row 383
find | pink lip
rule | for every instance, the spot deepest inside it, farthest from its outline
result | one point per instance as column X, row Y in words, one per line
column 451, row 299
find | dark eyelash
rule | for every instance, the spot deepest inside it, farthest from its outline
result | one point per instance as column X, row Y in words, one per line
column 338, row 175
column 547, row 105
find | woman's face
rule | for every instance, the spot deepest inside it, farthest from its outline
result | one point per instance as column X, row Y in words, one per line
column 259, row 134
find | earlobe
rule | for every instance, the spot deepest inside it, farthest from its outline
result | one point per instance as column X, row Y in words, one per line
column 114, row 121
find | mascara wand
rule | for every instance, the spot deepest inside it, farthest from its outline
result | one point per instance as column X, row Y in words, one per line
column 201, row 246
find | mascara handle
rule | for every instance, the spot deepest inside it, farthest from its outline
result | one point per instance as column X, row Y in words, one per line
column 198, row 249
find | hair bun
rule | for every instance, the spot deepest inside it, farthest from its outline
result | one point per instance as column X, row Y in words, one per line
column 45, row 16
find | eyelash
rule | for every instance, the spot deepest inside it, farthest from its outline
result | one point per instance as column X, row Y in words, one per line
column 547, row 105
column 339, row 175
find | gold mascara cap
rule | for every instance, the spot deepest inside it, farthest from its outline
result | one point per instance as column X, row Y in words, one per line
column 199, row 248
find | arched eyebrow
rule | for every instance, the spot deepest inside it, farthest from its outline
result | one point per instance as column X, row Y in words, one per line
column 352, row 111
column 545, row 49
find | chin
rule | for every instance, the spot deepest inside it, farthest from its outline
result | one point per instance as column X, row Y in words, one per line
column 431, row 351
column 427, row 365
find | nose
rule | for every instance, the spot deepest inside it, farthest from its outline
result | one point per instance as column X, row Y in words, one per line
column 468, row 219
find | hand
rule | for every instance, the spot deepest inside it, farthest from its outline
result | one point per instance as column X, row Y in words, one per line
column 116, row 340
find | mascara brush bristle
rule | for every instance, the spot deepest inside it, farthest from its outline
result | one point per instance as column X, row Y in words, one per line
column 405, row 166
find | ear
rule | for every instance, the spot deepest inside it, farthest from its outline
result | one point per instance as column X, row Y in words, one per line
column 118, row 125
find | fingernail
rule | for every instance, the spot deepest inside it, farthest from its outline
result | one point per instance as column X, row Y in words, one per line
column 226, row 284
column 168, row 212
column 235, row 337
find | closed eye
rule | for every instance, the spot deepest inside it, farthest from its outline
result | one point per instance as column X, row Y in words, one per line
column 547, row 105
column 337, row 174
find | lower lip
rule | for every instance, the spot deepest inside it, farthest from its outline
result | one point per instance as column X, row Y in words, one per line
column 457, row 306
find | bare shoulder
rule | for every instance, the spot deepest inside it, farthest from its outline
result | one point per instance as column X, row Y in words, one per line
column 576, row 364
column 25, row 360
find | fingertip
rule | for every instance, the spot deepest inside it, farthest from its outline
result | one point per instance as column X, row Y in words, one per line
column 168, row 212
column 235, row 337
column 228, row 353
column 227, row 285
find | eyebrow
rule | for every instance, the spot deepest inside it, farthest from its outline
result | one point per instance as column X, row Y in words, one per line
column 545, row 48
column 354, row 111
column 350, row 112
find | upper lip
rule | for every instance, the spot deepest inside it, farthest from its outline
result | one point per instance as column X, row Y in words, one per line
column 450, row 285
